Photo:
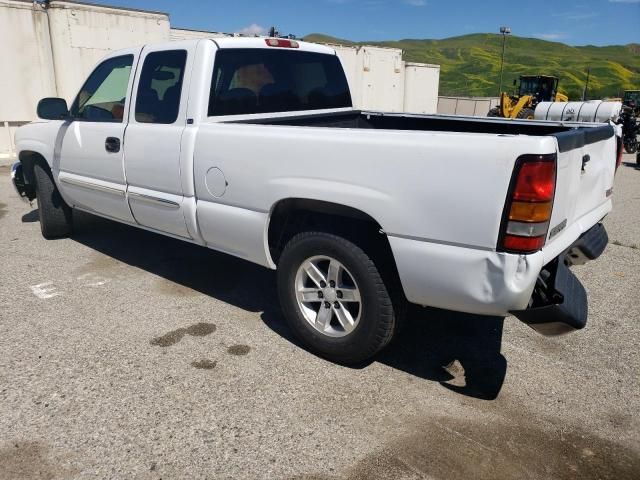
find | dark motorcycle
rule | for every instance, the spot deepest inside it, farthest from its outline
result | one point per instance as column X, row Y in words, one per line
column 630, row 130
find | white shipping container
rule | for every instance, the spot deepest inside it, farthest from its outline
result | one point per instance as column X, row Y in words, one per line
column 420, row 96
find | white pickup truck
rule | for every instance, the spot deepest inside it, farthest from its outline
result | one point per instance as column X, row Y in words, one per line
column 251, row 146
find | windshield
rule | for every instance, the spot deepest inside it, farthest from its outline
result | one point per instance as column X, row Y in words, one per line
column 255, row 80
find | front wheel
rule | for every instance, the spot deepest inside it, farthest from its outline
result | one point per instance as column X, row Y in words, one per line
column 631, row 145
column 55, row 215
column 526, row 113
column 334, row 299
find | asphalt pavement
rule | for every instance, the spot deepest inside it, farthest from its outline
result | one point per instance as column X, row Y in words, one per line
column 125, row 354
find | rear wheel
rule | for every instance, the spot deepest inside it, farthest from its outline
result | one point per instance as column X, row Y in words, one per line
column 526, row 113
column 55, row 215
column 334, row 298
column 631, row 146
column 494, row 112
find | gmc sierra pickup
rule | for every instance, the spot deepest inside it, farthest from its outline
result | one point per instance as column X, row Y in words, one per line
column 251, row 146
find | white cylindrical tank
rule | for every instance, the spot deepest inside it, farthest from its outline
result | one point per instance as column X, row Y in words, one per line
column 608, row 111
column 590, row 111
column 542, row 110
column 550, row 110
column 571, row 111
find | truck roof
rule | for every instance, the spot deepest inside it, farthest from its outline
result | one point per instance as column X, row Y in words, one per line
column 261, row 42
column 236, row 42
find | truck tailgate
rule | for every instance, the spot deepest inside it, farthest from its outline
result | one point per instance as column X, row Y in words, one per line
column 587, row 159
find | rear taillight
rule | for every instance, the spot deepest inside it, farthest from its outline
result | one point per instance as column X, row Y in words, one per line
column 529, row 204
column 619, row 151
column 281, row 42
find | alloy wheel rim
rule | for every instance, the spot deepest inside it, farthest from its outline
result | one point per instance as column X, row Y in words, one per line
column 328, row 296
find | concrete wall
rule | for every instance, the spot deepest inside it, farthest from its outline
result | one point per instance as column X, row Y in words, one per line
column 81, row 35
column 27, row 62
column 471, row 106
column 27, row 66
column 50, row 51
column 177, row 34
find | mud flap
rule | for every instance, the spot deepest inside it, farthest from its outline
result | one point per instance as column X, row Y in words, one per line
column 568, row 307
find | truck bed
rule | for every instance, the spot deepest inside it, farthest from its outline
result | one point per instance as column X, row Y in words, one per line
column 569, row 135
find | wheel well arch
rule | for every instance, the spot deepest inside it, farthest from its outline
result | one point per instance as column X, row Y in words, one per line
column 29, row 159
column 291, row 216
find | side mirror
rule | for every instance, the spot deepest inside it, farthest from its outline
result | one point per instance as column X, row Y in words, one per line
column 52, row 108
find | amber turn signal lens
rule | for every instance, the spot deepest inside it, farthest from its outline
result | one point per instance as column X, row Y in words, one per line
column 530, row 212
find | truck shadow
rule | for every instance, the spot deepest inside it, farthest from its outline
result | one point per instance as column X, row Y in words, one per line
column 635, row 165
column 460, row 351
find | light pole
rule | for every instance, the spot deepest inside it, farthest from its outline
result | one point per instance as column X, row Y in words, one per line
column 504, row 31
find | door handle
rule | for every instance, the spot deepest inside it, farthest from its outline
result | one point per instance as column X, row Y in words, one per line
column 112, row 144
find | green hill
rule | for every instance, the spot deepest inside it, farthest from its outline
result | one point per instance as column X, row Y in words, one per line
column 470, row 64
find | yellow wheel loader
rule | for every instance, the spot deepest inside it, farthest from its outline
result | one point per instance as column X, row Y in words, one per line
column 532, row 90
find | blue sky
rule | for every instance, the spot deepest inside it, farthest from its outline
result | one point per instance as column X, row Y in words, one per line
column 579, row 22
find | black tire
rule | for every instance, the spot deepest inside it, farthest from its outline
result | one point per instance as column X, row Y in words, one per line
column 55, row 215
column 526, row 113
column 494, row 112
column 378, row 319
column 631, row 146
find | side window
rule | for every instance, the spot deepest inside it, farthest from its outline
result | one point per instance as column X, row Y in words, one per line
column 103, row 95
column 160, row 87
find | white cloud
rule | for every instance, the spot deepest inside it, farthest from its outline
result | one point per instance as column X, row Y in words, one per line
column 253, row 29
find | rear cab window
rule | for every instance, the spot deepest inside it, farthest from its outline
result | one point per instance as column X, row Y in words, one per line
column 160, row 87
column 253, row 80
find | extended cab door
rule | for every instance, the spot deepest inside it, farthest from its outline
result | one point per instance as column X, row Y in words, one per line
column 89, row 148
column 154, row 136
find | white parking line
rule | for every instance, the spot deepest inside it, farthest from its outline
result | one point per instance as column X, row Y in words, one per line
column 45, row 290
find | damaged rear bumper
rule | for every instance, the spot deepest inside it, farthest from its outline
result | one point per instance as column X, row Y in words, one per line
column 559, row 302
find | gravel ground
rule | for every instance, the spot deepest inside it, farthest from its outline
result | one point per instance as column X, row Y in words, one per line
column 130, row 355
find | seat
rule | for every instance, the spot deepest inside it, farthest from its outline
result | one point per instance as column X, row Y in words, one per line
column 147, row 105
column 237, row 101
column 170, row 105
column 275, row 97
column 318, row 98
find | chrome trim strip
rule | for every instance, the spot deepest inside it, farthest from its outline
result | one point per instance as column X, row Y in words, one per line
column 163, row 202
column 92, row 186
column 440, row 242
